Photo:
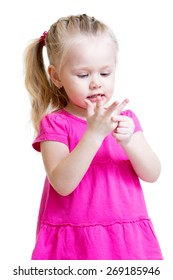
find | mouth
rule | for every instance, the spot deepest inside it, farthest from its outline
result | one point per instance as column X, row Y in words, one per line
column 94, row 96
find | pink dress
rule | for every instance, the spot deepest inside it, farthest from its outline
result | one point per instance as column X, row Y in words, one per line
column 105, row 218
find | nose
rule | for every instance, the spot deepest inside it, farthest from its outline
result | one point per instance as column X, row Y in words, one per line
column 95, row 83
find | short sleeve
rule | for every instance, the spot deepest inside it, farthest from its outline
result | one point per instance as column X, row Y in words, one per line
column 130, row 114
column 53, row 127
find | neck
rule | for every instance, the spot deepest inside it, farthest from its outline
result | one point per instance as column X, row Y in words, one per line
column 76, row 111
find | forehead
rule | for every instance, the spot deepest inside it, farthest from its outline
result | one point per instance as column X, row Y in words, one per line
column 91, row 48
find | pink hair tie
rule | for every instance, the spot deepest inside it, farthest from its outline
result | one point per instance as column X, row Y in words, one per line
column 43, row 37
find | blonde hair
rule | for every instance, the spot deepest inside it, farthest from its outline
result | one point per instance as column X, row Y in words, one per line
column 45, row 96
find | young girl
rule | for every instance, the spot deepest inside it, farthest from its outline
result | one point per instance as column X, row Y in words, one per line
column 94, row 154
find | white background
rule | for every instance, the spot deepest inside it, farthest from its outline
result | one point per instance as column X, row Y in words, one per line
column 144, row 75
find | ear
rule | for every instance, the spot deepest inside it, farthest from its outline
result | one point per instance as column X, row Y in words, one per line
column 54, row 76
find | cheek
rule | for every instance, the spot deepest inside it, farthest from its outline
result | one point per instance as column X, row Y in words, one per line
column 73, row 90
column 110, row 86
column 80, row 86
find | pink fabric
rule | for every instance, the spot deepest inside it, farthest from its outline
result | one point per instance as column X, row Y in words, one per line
column 106, row 216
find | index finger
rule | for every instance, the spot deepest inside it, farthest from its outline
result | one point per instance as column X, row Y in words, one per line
column 89, row 107
column 121, row 106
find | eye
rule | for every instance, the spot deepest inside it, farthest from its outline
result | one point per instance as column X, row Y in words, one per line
column 105, row 74
column 82, row 75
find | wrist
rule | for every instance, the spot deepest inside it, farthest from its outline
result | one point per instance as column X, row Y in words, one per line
column 123, row 140
column 93, row 139
column 126, row 144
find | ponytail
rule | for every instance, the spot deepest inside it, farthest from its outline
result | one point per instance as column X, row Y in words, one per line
column 36, row 82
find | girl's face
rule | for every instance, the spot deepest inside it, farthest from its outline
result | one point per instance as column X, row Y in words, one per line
column 88, row 71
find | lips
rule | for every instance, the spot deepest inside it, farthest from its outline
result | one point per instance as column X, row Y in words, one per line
column 95, row 95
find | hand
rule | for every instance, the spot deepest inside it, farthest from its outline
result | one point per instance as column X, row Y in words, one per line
column 100, row 120
column 124, row 130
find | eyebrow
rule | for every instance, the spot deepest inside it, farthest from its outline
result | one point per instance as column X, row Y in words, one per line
column 87, row 67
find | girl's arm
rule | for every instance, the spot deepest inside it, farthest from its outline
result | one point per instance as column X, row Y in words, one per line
column 65, row 170
column 144, row 161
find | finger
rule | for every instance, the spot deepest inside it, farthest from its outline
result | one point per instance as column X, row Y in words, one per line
column 125, row 124
column 123, row 130
column 120, row 118
column 121, row 106
column 99, row 103
column 111, row 109
column 121, row 137
column 89, row 107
